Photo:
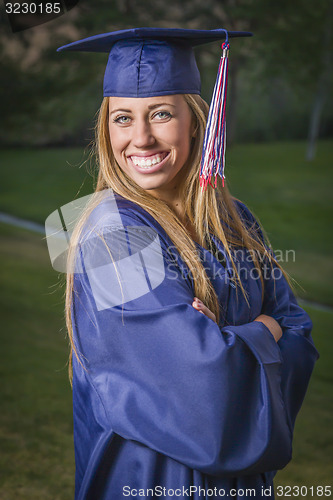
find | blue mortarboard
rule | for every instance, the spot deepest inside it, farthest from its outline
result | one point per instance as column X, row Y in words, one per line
column 147, row 62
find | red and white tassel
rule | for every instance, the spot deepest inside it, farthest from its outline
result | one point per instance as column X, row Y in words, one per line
column 213, row 153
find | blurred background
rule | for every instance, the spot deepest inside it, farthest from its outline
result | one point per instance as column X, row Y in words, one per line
column 279, row 162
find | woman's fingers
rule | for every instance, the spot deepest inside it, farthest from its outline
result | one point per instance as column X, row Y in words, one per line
column 200, row 306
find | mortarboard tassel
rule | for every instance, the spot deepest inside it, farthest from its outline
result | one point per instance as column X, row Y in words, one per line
column 213, row 153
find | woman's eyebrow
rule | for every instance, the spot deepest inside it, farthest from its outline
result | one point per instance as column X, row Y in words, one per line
column 121, row 110
column 152, row 106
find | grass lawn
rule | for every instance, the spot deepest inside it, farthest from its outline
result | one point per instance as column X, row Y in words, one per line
column 35, row 182
column 36, row 459
column 313, row 438
column 292, row 200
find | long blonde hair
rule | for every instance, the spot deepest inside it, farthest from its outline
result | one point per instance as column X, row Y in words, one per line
column 210, row 212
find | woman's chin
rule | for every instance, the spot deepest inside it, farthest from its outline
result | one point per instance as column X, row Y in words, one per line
column 151, row 185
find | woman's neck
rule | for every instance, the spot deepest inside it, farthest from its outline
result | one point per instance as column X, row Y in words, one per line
column 179, row 210
column 174, row 201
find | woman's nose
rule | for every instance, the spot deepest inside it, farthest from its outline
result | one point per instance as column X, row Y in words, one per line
column 142, row 135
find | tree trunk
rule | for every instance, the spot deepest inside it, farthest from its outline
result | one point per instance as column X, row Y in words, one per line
column 322, row 87
column 315, row 121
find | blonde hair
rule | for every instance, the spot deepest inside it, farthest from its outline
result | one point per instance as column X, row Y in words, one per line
column 212, row 211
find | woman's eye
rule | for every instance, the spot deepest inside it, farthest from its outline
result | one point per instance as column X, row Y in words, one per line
column 161, row 115
column 122, row 119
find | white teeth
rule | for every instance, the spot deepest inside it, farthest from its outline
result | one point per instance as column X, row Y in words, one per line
column 141, row 162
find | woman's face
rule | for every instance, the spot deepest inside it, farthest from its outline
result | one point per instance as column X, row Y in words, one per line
column 150, row 139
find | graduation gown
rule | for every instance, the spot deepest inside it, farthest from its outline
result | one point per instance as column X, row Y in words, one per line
column 164, row 397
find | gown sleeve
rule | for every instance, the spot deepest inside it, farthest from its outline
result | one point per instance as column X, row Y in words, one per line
column 298, row 353
column 156, row 371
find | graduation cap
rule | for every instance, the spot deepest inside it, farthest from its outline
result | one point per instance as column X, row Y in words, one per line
column 147, row 62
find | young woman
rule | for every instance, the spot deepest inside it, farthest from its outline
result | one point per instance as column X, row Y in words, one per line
column 169, row 402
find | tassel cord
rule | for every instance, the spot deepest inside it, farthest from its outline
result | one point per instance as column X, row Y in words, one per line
column 214, row 145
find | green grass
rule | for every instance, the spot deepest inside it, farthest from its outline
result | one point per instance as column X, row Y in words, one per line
column 292, row 199
column 36, row 442
column 313, row 438
column 35, row 182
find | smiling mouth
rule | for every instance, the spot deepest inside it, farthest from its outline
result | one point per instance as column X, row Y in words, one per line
column 148, row 162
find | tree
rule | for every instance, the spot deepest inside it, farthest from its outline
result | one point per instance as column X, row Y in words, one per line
column 298, row 48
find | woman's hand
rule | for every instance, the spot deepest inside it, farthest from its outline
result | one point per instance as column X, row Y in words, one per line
column 272, row 325
column 200, row 306
column 268, row 321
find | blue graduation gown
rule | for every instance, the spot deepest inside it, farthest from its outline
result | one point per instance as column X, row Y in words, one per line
column 164, row 397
